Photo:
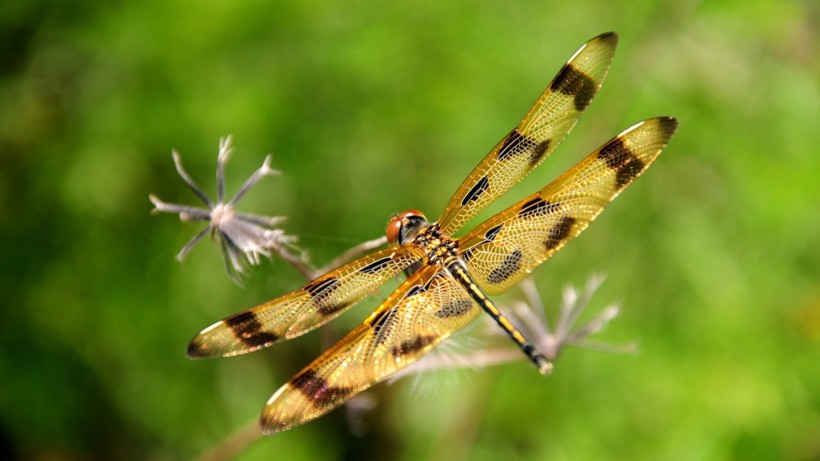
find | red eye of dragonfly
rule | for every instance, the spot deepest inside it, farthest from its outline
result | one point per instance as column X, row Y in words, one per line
column 397, row 223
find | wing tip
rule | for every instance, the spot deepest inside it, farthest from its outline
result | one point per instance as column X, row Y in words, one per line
column 668, row 125
column 198, row 347
column 610, row 38
column 227, row 339
column 271, row 425
column 201, row 347
column 198, row 350
column 271, row 420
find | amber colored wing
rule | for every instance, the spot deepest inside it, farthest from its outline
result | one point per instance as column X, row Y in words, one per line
column 504, row 249
column 543, row 128
column 421, row 313
column 296, row 313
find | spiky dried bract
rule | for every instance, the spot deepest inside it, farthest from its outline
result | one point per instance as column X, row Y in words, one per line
column 244, row 237
column 529, row 317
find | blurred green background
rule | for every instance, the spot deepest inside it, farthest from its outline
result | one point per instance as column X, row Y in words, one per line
column 371, row 108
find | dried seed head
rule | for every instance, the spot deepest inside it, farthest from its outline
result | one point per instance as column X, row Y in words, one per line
column 529, row 317
column 244, row 237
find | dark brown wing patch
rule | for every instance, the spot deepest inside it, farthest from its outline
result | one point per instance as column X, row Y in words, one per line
column 375, row 266
column 317, row 390
column 539, row 151
column 411, row 346
column 560, row 232
column 511, row 264
column 516, row 144
column 490, row 235
column 246, row 327
column 537, row 207
column 455, row 308
column 572, row 82
column 620, row 158
column 322, row 290
column 480, row 187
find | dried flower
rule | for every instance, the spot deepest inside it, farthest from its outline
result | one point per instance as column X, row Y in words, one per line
column 244, row 237
column 471, row 351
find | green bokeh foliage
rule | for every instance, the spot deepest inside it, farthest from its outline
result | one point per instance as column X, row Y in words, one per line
column 369, row 109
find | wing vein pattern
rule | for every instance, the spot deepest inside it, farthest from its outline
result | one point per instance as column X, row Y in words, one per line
column 296, row 313
column 547, row 123
column 507, row 247
column 421, row 313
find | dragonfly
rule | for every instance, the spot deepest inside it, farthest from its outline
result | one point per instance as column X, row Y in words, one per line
column 450, row 279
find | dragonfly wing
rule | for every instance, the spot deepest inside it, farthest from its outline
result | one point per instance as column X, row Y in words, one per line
column 421, row 313
column 543, row 128
column 296, row 313
column 505, row 249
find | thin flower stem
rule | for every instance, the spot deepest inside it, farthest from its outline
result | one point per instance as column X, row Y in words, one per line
column 478, row 359
column 595, row 325
column 266, row 221
column 310, row 273
column 264, row 170
column 186, row 213
column 298, row 263
column 189, row 181
column 234, row 444
column 600, row 346
column 184, row 251
column 592, row 286
column 353, row 253
column 222, row 160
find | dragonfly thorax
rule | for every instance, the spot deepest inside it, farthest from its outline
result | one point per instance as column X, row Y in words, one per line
column 403, row 227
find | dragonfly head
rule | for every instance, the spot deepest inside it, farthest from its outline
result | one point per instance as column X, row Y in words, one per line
column 404, row 226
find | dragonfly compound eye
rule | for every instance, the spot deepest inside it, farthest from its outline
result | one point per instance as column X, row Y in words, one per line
column 403, row 227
